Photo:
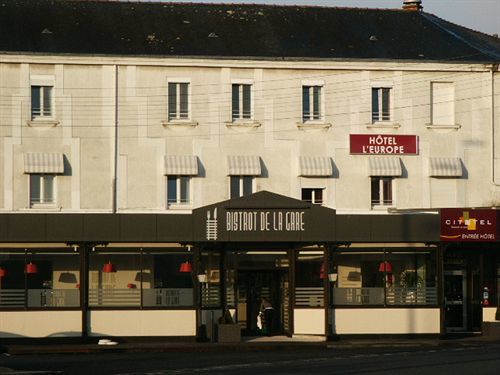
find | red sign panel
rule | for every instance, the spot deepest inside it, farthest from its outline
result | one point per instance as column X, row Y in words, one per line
column 384, row 144
column 460, row 224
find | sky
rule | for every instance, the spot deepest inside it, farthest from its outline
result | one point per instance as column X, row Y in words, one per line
column 480, row 15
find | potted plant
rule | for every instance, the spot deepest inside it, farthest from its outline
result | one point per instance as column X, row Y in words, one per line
column 227, row 329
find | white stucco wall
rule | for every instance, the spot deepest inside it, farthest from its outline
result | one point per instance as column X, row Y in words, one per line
column 19, row 324
column 385, row 321
column 85, row 108
column 143, row 323
column 309, row 321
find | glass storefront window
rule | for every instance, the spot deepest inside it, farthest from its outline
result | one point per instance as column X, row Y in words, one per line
column 113, row 278
column 136, row 278
column 163, row 283
column 390, row 278
column 42, row 279
column 309, row 279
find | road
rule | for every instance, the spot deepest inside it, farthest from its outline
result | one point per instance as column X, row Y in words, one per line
column 477, row 360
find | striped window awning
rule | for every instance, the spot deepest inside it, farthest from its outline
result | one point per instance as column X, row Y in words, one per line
column 385, row 166
column 315, row 166
column 445, row 167
column 181, row 165
column 43, row 163
column 243, row 165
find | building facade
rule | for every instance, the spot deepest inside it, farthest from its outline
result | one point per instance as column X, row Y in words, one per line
column 153, row 177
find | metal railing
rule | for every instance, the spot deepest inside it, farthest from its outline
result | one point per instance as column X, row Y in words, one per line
column 40, row 298
column 309, row 296
column 392, row 296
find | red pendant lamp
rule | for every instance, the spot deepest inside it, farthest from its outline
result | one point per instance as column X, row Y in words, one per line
column 109, row 267
column 186, row 267
column 385, row 267
column 322, row 271
column 31, row 268
column 3, row 272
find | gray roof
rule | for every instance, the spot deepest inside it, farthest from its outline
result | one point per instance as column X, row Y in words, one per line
column 236, row 31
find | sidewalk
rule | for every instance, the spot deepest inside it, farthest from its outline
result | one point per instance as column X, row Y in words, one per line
column 247, row 344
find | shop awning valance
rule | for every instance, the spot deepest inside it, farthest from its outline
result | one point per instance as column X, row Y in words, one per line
column 243, row 165
column 445, row 167
column 385, row 166
column 315, row 166
column 181, row 165
column 43, row 163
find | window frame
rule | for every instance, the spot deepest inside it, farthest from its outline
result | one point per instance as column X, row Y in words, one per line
column 42, row 186
column 178, row 180
column 313, row 195
column 381, row 202
column 321, row 101
column 241, row 100
column 311, row 117
column 42, row 102
column 178, row 113
column 241, row 180
column 379, row 89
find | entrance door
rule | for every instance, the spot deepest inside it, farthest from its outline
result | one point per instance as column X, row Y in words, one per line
column 252, row 287
column 454, row 300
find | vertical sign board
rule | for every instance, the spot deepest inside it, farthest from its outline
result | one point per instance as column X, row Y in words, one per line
column 467, row 225
column 383, row 144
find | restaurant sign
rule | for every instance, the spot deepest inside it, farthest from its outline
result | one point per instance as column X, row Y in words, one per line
column 458, row 224
column 257, row 221
column 383, row 144
column 264, row 217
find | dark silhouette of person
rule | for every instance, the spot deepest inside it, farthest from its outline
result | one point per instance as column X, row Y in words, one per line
column 268, row 310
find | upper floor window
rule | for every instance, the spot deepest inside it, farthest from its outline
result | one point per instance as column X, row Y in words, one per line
column 381, row 104
column 42, row 189
column 178, row 190
column 313, row 195
column 443, row 103
column 41, row 101
column 241, row 101
column 381, row 191
column 312, row 103
column 178, row 101
column 240, row 186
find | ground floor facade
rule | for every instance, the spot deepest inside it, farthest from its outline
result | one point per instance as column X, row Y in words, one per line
column 175, row 276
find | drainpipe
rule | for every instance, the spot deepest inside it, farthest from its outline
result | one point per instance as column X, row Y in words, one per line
column 115, row 150
column 494, row 67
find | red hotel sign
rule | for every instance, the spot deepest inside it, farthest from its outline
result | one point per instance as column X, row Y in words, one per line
column 460, row 224
column 384, row 144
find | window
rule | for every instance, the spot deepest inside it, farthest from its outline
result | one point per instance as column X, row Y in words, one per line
column 241, row 101
column 42, row 278
column 309, row 276
column 311, row 103
column 240, row 186
column 141, row 278
column 443, row 103
column 41, row 102
column 178, row 191
column 178, row 101
column 393, row 277
column 312, row 195
column 381, row 191
column 381, row 104
column 42, row 189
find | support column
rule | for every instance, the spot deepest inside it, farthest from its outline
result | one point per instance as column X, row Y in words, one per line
column 84, row 288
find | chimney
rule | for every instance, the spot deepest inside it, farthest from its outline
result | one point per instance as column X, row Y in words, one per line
column 412, row 5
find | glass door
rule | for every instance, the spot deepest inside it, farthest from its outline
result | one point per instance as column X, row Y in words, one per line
column 454, row 300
